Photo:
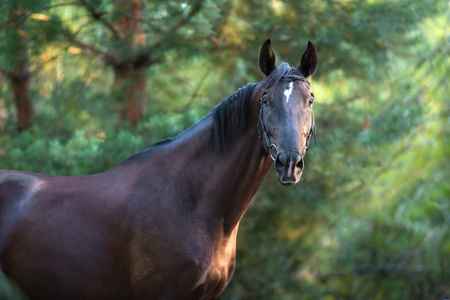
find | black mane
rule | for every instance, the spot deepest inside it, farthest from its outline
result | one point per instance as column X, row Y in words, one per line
column 230, row 116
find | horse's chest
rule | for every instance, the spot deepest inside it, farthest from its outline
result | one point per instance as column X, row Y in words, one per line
column 198, row 268
column 218, row 272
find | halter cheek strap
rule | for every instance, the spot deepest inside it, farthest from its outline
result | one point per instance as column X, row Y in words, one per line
column 312, row 132
column 262, row 131
column 263, row 135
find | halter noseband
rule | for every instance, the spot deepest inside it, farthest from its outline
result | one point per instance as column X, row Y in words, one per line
column 262, row 128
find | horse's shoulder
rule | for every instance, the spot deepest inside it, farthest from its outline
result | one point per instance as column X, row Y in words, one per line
column 16, row 189
column 16, row 185
column 18, row 180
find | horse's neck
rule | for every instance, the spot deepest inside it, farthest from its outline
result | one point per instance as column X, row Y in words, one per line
column 225, row 180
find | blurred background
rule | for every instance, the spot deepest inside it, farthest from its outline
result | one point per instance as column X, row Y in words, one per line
column 86, row 83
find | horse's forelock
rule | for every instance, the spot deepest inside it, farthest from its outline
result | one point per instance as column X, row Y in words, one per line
column 277, row 75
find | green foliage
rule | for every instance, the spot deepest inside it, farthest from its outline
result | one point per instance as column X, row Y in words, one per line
column 370, row 218
column 9, row 289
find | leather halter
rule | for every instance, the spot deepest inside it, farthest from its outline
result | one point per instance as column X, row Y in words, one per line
column 263, row 135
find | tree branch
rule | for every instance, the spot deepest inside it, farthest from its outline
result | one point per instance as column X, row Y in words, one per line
column 400, row 267
column 182, row 22
column 93, row 51
column 7, row 22
column 194, row 10
column 10, row 19
column 99, row 17
column 367, row 269
column 61, row 4
column 86, row 47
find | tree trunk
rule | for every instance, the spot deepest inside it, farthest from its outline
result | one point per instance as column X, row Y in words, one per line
column 129, row 70
column 20, row 83
column 19, row 76
column 131, row 91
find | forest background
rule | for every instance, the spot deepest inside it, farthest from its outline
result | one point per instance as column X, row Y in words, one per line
column 85, row 84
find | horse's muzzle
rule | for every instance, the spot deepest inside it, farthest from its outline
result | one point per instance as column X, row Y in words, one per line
column 289, row 167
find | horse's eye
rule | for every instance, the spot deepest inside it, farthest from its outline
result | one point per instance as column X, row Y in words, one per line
column 311, row 101
column 264, row 99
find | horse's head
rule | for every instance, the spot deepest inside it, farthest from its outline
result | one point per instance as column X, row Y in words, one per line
column 286, row 121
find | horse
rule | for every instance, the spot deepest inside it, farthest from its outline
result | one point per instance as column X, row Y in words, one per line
column 162, row 224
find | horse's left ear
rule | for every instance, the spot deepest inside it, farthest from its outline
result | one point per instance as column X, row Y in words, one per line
column 308, row 64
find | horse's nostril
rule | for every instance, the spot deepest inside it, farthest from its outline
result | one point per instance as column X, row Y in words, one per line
column 300, row 164
column 279, row 163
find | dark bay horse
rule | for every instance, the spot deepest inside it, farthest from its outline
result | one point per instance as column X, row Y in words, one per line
column 163, row 223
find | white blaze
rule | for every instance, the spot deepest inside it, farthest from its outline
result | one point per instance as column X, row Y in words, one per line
column 288, row 91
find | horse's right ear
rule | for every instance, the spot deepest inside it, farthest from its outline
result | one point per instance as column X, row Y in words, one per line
column 267, row 58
